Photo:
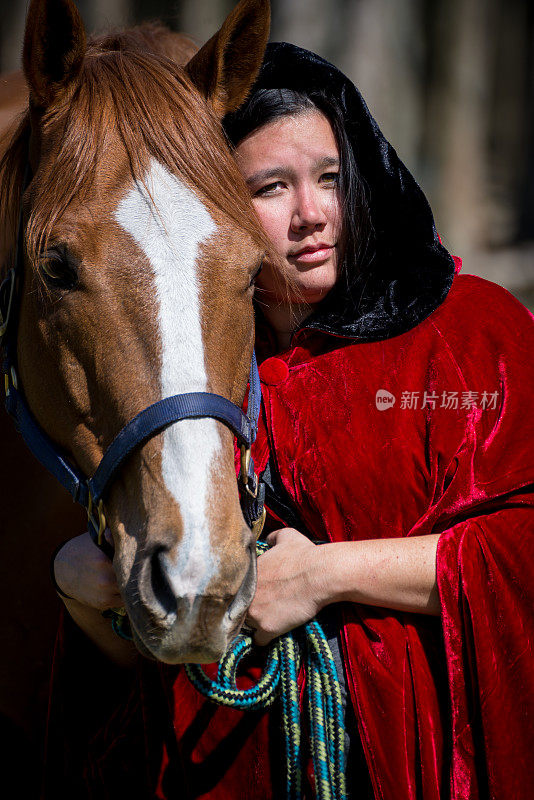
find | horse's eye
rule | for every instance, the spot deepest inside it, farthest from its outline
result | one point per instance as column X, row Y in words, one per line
column 58, row 270
column 257, row 271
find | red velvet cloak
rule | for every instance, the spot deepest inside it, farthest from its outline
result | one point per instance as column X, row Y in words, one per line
column 445, row 707
column 357, row 472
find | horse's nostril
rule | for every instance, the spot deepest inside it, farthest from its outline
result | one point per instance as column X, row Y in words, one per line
column 159, row 582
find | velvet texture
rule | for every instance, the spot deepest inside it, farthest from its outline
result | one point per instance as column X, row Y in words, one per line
column 433, row 697
column 444, row 706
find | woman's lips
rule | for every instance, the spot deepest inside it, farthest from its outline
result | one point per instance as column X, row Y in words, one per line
column 313, row 255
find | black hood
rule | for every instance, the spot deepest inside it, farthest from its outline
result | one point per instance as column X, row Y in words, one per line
column 411, row 272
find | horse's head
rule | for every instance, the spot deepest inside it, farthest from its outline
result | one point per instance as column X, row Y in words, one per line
column 141, row 247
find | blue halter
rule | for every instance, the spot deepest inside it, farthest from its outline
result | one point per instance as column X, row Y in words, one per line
column 90, row 492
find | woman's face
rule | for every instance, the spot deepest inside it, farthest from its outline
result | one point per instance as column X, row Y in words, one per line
column 291, row 166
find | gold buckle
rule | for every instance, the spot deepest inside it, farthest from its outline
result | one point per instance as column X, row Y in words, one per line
column 245, row 464
column 257, row 525
column 11, row 375
column 101, row 518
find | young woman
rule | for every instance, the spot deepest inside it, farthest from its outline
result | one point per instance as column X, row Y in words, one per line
column 395, row 431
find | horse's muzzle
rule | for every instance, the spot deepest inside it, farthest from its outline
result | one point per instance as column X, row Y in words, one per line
column 191, row 627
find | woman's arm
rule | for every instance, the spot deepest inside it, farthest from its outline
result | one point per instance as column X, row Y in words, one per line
column 86, row 574
column 392, row 573
column 297, row 578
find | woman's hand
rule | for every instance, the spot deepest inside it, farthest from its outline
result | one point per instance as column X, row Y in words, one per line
column 86, row 574
column 296, row 579
column 289, row 591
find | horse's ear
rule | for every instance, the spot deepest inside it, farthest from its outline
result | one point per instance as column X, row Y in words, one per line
column 225, row 68
column 54, row 47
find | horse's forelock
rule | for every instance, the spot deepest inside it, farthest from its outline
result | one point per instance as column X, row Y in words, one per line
column 148, row 100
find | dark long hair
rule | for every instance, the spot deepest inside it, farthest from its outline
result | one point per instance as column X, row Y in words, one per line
column 266, row 105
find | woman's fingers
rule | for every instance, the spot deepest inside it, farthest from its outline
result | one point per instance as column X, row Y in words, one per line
column 278, row 536
column 86, row 574
column 285, row 595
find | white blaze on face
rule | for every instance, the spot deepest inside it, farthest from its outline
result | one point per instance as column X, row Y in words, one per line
column 169, row 222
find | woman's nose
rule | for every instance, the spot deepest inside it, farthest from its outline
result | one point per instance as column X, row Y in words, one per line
column 308, row 211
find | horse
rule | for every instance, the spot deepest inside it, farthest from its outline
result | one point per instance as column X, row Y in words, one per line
column 139, row 250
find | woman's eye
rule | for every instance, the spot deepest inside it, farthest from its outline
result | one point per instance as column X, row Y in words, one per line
column 270, row 188
column 58, row 270
column 330, row 178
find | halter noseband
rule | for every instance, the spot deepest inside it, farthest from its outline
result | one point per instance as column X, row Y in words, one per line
column 90, row 492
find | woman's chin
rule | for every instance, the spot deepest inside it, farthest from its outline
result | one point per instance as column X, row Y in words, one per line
column 312, row 295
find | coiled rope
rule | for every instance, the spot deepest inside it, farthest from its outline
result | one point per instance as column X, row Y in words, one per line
column 307, row 645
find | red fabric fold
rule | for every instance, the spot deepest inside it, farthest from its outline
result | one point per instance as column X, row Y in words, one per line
column 485, row 583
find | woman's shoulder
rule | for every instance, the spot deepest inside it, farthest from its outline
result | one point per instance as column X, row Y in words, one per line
column 477, row 307
column 485, row 328
column 470, row 293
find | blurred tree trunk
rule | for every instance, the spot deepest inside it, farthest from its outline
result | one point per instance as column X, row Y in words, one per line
column 525, row 228
column 382, row 52
column 480, row 103
column 457, row 129
column 149, row 10
column 200, row 19
column 307, row 23
column 508, row 110
column 101, row 15
column 11, row 36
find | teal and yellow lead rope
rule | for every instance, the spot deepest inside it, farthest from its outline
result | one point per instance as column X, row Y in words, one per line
column 279, row 679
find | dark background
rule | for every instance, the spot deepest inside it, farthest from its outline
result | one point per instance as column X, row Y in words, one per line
column 451, row 83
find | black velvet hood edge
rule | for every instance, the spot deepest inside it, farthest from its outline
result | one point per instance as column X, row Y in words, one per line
column 411, row 273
